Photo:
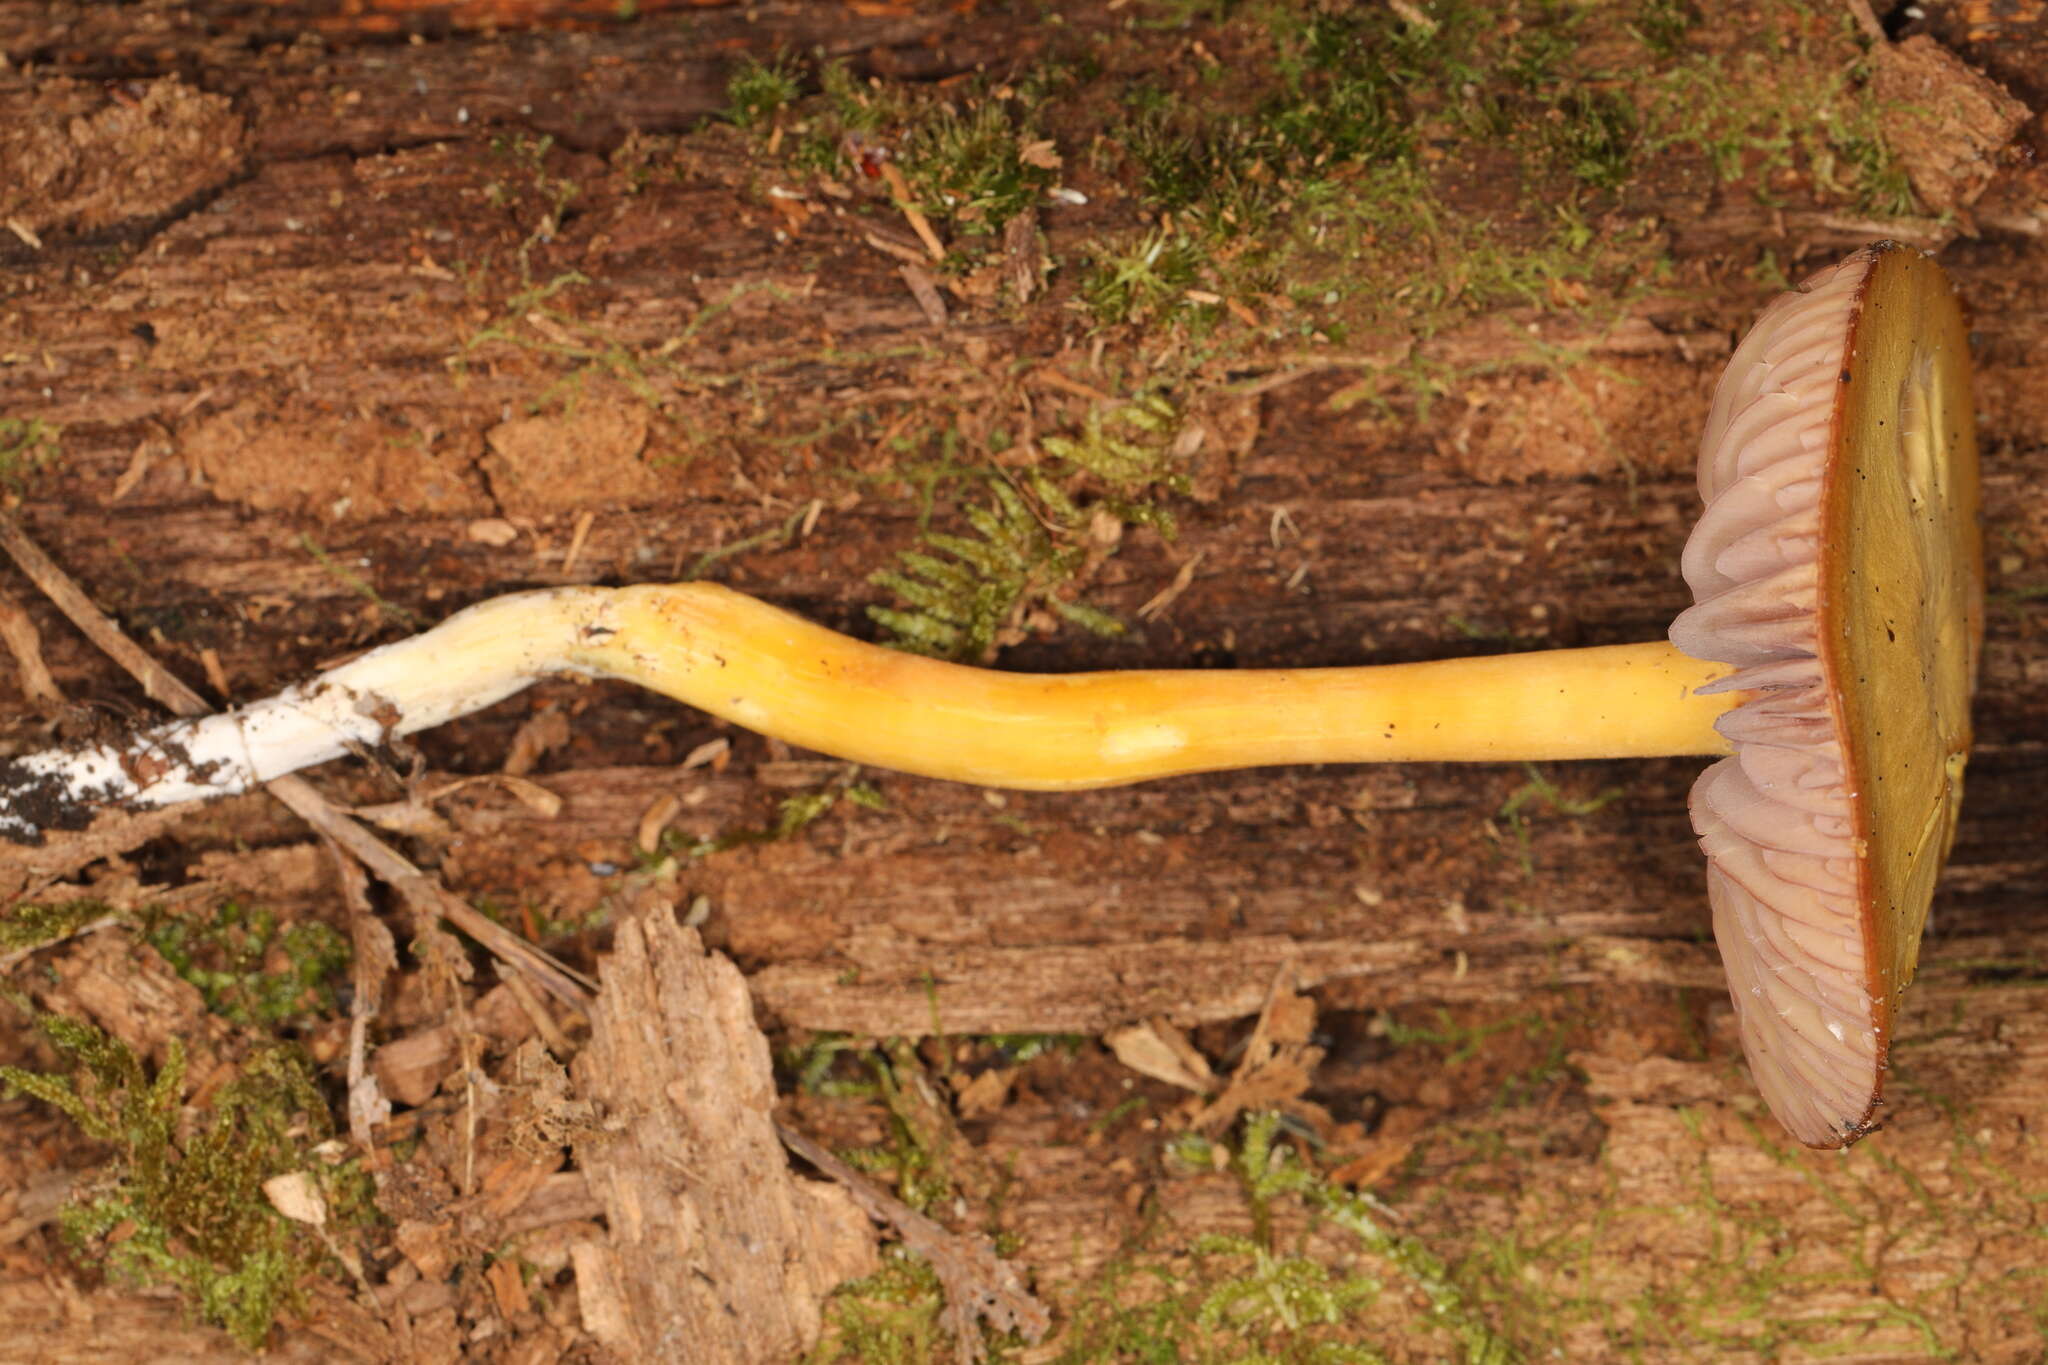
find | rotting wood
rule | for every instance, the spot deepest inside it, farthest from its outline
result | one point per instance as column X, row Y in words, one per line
column 292, row 327
column 718, row 1253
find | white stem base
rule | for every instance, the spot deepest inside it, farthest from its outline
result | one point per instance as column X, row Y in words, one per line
column 469, row 661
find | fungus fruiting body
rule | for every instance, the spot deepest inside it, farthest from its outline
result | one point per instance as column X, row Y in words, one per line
column 1838, row 563
column 1842, row 424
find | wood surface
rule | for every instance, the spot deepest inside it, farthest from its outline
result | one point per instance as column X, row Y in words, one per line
column 293, row 372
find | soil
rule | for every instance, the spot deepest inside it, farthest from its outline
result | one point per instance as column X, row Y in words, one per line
column 350, row 316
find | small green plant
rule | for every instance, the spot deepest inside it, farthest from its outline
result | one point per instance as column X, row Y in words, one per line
column 793, row 814
column 1540, row 791
column 965, row 595
column 251, row 968
column 757, row 91
column 979, row 168
column 182, row 1204
column 27, row 446
column 1151, row 278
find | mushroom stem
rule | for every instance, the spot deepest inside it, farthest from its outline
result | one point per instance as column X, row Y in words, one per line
column 781, row 675
column 776, row 673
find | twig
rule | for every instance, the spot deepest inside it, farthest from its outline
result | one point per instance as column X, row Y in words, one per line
column 375, row 956
column 899, row 189
column 926, row 292
column 978, row 1283
column 162, row 687
column 22, row 641
column 425, row 895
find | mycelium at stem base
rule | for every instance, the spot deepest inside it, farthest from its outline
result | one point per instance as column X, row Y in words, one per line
column 773, row 672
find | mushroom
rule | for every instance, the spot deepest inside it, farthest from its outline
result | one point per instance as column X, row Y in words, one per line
column 1829, row 656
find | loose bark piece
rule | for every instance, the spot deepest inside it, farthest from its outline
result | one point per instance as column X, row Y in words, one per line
column 718, row 1253
column 1952, row 125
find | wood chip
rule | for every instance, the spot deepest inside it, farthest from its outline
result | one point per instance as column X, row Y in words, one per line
column 216, row 676
column 508, row 1287
column 655, row 819
column 25, row 643
column 576, row 540
column 294, row 1195
column 600, row 1295
column 1167, row 595
column 1159, row 1050
column 714, row 752
column 1023, row 254
column 139, row 461
column 926, row 292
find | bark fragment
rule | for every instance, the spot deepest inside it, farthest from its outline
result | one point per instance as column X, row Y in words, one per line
column 717, row 1252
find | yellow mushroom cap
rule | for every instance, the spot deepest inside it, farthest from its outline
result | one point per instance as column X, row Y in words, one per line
column 1838, row 564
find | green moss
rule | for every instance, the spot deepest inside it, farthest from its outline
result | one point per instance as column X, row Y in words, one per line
column 27, row 447
column 891, row 1317
column 757, row 91
column 251, row 968
column 30, row 925
column 1247, row 1297
column 182, row 1203
column 1149, row 279
column 971, row 166
column 1038, row 533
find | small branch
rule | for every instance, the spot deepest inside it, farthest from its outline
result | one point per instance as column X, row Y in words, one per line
column 162, row 687
column 978, row 1283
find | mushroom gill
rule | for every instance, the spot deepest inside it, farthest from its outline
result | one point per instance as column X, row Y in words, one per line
column 1788, row 566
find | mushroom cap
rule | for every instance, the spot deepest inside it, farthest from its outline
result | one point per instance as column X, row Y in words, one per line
column 1839, row 566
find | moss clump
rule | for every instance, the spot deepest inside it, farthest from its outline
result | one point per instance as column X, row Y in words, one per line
column 27, row 446
column 888, row 1318
column 1247, row 1297
column 251, row 968
column 757, row 91
column 30, row 926
column 182, row 1203
column 1034, row 541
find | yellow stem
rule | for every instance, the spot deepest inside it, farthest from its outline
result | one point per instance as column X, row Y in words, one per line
column 779, row 674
